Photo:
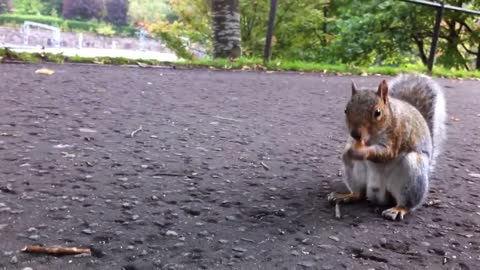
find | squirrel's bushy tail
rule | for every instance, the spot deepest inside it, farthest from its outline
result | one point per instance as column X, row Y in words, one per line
column 427, row 96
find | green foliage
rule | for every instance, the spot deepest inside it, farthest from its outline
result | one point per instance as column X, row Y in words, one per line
column 191, row 27
column 168, row 33
column 34, row 7
column 52, row 7
column 148, row 11
column 19, row 19
column 105, row 30
column 241, row 63
column 69, row 25
column 351, row 33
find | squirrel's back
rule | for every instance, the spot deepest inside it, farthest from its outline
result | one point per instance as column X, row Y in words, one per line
column 428, row 98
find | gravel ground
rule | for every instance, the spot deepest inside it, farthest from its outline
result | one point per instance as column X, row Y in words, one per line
column 225, row 170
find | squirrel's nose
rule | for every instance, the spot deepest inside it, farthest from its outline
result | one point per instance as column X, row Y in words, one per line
column 356, row 134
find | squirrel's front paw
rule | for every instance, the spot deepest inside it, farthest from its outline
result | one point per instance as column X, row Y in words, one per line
column 359, row 153
column 395, row 213
column 344, row 198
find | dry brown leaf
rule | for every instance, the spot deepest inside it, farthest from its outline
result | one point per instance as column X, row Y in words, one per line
column 44, row 71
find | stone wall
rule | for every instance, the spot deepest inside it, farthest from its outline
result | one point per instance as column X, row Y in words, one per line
column 39, row 37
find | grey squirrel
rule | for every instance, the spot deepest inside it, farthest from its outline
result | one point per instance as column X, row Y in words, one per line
column 395, row 136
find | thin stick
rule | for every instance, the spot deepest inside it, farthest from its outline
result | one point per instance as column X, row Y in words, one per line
column 136, row 131
column 265, row 166
column 338, row 215
column 56, row 250
column 228, row 119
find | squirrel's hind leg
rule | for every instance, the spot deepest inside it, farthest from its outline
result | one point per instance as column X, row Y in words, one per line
column 355, row 178
column 408, row 184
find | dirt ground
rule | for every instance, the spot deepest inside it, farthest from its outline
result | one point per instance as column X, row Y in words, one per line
column 230, row 170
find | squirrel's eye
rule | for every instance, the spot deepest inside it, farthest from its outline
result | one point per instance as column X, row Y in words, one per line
column 345, row 111
column 377, row 113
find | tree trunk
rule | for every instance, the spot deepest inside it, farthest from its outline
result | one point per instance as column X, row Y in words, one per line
column 477, row 64
column 226, row 29
column 421, row 50
column 5, row 6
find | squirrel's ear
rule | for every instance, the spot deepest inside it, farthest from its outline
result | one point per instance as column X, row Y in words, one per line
column 354, row 88
column 383, row 91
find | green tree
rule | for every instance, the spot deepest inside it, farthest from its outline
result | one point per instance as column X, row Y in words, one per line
column 28, row 6
column 148, row 11
column 52, row 7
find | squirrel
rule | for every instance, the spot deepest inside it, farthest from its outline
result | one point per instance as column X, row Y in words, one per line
column 395, row 136
column 235, row 52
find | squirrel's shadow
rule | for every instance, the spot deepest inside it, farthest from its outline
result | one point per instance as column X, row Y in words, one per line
column 307, row 206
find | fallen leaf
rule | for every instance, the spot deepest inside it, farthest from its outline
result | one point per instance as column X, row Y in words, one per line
column 44, row 71
column 140, row 64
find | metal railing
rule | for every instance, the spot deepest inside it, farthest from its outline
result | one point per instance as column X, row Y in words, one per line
column 436, row 30
column 438, row 20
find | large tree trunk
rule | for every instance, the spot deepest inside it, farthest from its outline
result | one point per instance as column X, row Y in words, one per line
column 5, row 6
column 226, row 29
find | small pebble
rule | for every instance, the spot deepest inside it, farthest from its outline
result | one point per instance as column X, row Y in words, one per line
column 14, row 260
column 203, row 233
column 426, row 244
column 383, row 241
column 179, row 244
column 34, row 237
column 295, row 253
column 334, row 238
column 171, row 233
column 87, row 231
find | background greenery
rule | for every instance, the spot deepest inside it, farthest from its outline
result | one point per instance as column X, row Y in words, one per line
column 351, row 33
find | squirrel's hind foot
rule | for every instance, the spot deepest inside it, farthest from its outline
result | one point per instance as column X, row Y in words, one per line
column 395, row 213
column 344, row 197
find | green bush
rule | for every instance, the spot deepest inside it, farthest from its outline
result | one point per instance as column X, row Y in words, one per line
column 68, row 25
column 19, row 19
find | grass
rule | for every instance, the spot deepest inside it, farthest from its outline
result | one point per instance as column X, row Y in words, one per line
column 240, row 64
column 300, row 66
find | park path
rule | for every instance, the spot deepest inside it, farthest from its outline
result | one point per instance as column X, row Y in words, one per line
column 229, row 170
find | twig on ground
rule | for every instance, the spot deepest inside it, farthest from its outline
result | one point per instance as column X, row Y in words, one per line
column 136, row 131
column 265, row 166
column 56, row 250
column 227, row 118
column 338, row 215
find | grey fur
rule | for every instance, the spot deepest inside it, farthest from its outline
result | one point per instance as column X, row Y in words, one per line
column 427, row 96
